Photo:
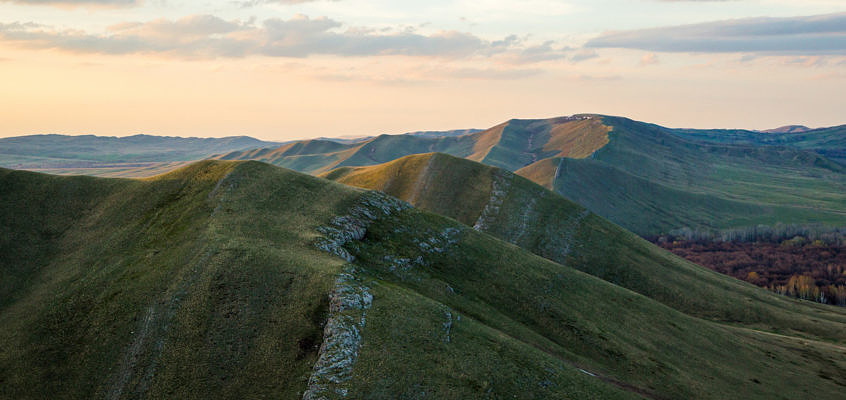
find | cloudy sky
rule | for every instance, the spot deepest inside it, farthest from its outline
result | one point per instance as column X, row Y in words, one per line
column 283, row 69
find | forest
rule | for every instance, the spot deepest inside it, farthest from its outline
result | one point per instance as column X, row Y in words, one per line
column 807, row 262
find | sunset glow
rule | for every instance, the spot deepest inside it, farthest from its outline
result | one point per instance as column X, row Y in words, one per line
column 281, row 70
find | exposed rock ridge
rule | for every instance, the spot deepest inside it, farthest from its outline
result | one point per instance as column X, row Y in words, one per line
column 500, row 184
column 349, row 300
column 557, row 171
column 428, row 243
column 371, row 206
column 528, row 214
column 348, row 304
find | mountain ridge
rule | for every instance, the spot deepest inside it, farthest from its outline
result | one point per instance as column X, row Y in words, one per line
column 734, row 178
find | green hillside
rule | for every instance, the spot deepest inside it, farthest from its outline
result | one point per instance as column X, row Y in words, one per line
column 829, row 142
column 647, row 178
column 243, row 280
column 727, row 185
column 519, row 211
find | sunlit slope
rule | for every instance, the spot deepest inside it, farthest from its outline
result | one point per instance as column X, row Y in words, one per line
column 523, row 213
column 513, row 144
column 208, row 283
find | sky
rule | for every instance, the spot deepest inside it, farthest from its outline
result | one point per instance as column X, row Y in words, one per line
column 290, row 69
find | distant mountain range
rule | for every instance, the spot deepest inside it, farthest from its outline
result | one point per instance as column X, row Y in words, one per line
column 245, row 280
column 116, row 156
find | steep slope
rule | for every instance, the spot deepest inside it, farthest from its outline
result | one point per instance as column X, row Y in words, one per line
column 216, row 280
column 518, row 211
column 161, row 288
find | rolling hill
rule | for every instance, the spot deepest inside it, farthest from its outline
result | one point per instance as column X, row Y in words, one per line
column 243, row 280
column 647, row 178
column 829, row 142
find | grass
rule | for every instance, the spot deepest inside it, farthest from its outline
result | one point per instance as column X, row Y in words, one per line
column 556, row 317
column 205, row 282
column 553, row 227
column 728, row 185
column 644, row 177
column 177, row 286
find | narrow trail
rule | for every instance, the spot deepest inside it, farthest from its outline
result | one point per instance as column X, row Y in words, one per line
column 556, row 176
column 422, row 181
column 130, row 358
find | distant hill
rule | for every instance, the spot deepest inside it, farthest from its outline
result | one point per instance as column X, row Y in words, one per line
column 512, row 145
column 788, row 129
column 829, row 142
column 103, row 155
column 139, row 155
column 243, row 280
column 645, row 177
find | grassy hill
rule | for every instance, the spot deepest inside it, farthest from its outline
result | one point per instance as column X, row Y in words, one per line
column 511, row 145
column 829, row 142
column 519, row 211
column 727, row 185
column 243, row 280
column 647, row 178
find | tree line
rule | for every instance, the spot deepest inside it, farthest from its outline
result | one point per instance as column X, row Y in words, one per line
column 802, row 261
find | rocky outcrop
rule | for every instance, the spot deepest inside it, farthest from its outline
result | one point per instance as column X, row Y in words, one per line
column 500, row 184
column 428, row 243
column 450, row 320
column 350, row 298
column 343, row 229
column 348, row 305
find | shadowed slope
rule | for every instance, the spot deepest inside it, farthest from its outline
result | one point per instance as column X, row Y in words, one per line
column 188, row 285
column 829, row 142
column 651, row 179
